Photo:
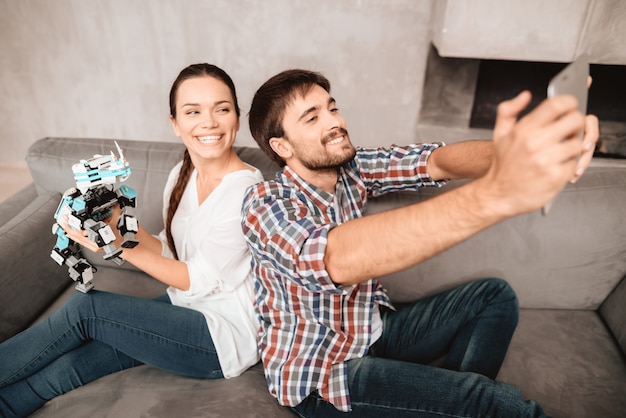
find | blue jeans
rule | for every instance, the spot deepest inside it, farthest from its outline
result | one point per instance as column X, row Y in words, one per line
column 470, row 327
column 97, row 334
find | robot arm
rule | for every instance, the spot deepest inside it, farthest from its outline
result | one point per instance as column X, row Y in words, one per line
column 67, row 252
column 103, row 235
column 127, row 223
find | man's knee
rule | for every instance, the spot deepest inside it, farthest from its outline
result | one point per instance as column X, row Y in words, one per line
column 502, row 294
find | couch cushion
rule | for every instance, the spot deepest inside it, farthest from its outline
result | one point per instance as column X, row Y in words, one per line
column 114, row 279
column 50, row 161
column 613, row 311
column 29, row 232
column 568, row 362
column 147, row 392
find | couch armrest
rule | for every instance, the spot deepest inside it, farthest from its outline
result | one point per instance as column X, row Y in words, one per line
column 29, row 279
column 613, row 311
column 14, row 204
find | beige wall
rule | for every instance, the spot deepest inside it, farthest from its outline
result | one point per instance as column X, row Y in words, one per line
column 103, row 68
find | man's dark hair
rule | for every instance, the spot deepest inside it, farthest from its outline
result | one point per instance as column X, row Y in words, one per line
column 271, row 100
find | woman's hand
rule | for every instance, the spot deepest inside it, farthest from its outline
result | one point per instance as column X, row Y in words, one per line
column 79, row 236
column 82, row 237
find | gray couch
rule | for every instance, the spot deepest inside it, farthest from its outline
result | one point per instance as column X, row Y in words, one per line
column 567, row 269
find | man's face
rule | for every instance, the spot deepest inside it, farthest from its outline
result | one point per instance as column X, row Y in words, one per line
column 315, row 133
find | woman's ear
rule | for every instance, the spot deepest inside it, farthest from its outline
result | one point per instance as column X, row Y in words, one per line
column 174, row 125
column 281, row 147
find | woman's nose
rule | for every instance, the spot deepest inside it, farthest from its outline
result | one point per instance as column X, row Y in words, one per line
column 209, row 121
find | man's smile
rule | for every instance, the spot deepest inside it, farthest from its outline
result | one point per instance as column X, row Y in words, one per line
column 336, row 140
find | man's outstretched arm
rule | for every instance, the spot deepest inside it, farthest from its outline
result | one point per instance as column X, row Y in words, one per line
column 531, row 163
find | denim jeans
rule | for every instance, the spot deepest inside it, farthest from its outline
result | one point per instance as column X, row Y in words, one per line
column 470, row 328
column 96, row 334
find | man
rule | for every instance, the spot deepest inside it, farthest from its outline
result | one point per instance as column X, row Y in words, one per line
column 331, row 341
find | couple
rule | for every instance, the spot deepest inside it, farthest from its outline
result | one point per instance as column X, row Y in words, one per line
column 329, row 338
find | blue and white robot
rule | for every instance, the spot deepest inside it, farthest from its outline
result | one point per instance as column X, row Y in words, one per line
column 86, row 206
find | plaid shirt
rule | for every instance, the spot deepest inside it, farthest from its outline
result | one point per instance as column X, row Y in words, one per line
column 309, row 325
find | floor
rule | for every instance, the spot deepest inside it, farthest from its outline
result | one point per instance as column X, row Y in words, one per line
column 13, row 177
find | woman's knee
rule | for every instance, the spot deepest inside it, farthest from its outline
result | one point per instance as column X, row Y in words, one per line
column 80, row 305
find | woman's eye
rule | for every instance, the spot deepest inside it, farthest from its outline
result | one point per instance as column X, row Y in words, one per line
column 192, row 112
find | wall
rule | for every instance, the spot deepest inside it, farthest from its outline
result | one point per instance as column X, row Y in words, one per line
column 103, row 68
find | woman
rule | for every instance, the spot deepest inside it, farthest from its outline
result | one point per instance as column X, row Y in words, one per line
column 205, row 327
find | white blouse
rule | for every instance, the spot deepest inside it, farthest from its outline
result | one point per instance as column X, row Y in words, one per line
column 209, row 239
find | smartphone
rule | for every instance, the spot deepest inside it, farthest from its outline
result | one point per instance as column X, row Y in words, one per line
column 571, row 80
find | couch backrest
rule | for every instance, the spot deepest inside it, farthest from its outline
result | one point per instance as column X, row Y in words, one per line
column 50, row 162
column 571, row 259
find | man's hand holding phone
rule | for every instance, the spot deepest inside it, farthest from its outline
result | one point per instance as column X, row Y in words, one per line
column 575, row 80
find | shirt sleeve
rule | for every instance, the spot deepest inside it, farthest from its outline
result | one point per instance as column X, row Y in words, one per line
column 287, row 237
column 396, row 168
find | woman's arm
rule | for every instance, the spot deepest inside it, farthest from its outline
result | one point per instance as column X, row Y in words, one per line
column 146, row 255
column 166, row 270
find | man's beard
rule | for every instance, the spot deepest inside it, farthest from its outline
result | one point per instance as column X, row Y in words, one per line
column 329, row 161
column 326, row 161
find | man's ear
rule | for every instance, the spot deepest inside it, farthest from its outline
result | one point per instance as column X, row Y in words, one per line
column 282, row 147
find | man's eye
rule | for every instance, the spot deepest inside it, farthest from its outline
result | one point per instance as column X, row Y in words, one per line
column 334, row 110
column 312, row 119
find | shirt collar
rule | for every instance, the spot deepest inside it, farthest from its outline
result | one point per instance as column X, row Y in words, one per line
column 320, row 196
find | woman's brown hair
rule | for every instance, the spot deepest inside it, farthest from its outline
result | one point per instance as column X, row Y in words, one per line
column 192, row 71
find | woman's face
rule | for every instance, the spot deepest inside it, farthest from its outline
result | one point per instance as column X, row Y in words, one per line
column 206, row 119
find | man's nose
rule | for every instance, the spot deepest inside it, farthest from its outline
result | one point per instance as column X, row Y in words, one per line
column 332, row 120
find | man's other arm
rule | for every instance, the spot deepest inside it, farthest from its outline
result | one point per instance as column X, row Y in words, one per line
column 463, row 160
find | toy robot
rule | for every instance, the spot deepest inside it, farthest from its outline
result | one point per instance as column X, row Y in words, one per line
column 86, row 206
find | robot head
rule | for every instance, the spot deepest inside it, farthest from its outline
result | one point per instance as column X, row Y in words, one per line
column 101, row 169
